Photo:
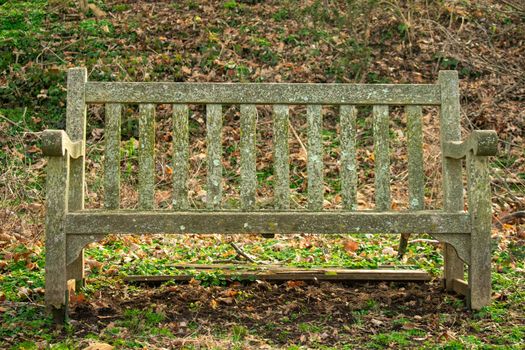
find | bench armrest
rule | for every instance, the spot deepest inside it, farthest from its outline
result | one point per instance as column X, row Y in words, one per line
column 55, row 143
column 480, row 142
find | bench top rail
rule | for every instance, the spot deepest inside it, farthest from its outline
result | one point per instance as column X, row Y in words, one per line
column 263, row 93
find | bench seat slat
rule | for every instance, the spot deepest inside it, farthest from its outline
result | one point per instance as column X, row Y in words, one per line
column 248, row 161
column 283, row 222
column 180, row 156
column 112, row 157
column 348, row 157
column 315, row 157
column 263, row 93
column 146, row 156
column 281, row 157
column 381, row 157
column 214, row 150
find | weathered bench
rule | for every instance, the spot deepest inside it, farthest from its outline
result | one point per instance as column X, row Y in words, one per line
column 69, row 227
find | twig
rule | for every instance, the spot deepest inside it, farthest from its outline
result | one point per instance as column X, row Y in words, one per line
column 9, row 121
column 244, row 255
column 297, row 137
column 510, row 217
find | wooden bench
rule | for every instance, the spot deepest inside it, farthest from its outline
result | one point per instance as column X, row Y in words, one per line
column 69, row 227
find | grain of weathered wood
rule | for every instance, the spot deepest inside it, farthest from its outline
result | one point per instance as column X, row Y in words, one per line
column 348, row 157
column 76, row 129
column 381, row 157
column 460, row 287
column 57, row 143
column 289, row 222
column 263, row 93
column 248, row 162
column 314, row 119
column 181, row 166
column 112, row 156
column 416, row 174
column 214, row 149
column 146, row 173
column 450, row 129
column 56, row 209
column 480, row 210
column 281, row 157
column 479, row 142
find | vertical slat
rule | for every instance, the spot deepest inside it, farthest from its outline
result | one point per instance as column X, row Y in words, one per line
column 214, row 148
column 281, row 157
column 416, row 179
column 381, row 157
column 146, row 156
column 247, row 144
column 180, row 157
column 450, row 126
column 112, row 157
column 76, row 130
column 348, row 157
column 315, row 157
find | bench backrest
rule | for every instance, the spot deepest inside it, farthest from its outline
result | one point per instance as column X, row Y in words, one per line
column 445, row 94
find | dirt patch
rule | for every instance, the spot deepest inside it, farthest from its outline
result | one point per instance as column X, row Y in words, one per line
column 286, row 313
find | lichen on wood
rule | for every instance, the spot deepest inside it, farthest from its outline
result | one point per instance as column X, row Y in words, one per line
column 146, row 156
column 348, row 157
column 248, row 161
column 381, row 157
column 281, row 157
column 263, row 93
column 314, row 119
column 180, row 156
column 450, row 130
column 112, row 156
column 214, row 150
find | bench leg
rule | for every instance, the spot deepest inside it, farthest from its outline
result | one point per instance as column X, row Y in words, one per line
column 480, row 209
column 56, row 295
column 75, row 271
column 454, row 267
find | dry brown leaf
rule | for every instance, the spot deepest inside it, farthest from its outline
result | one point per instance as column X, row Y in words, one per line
column 99, row 346
column 351, row 246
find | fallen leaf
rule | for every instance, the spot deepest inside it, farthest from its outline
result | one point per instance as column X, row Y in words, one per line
column 99, row 346
column 351, row 246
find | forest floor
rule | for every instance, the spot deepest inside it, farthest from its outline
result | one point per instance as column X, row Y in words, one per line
column 361, row 41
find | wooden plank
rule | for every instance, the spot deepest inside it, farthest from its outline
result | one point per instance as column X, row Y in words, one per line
column 416, row 174
column 214, row 149
column 348, row 157
column 298, row 274
column 480, row 210
column 284, row 222
column 146, row 156
column 315, row 157
column 181, row 166
column 460, row 286
column 56, row 208
column 248, row 162
column 76, row 113
column 281, row 157
column 479, row 142
column 381, row 157
column 453, row 201
column 263, row 93
column 112, row 156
